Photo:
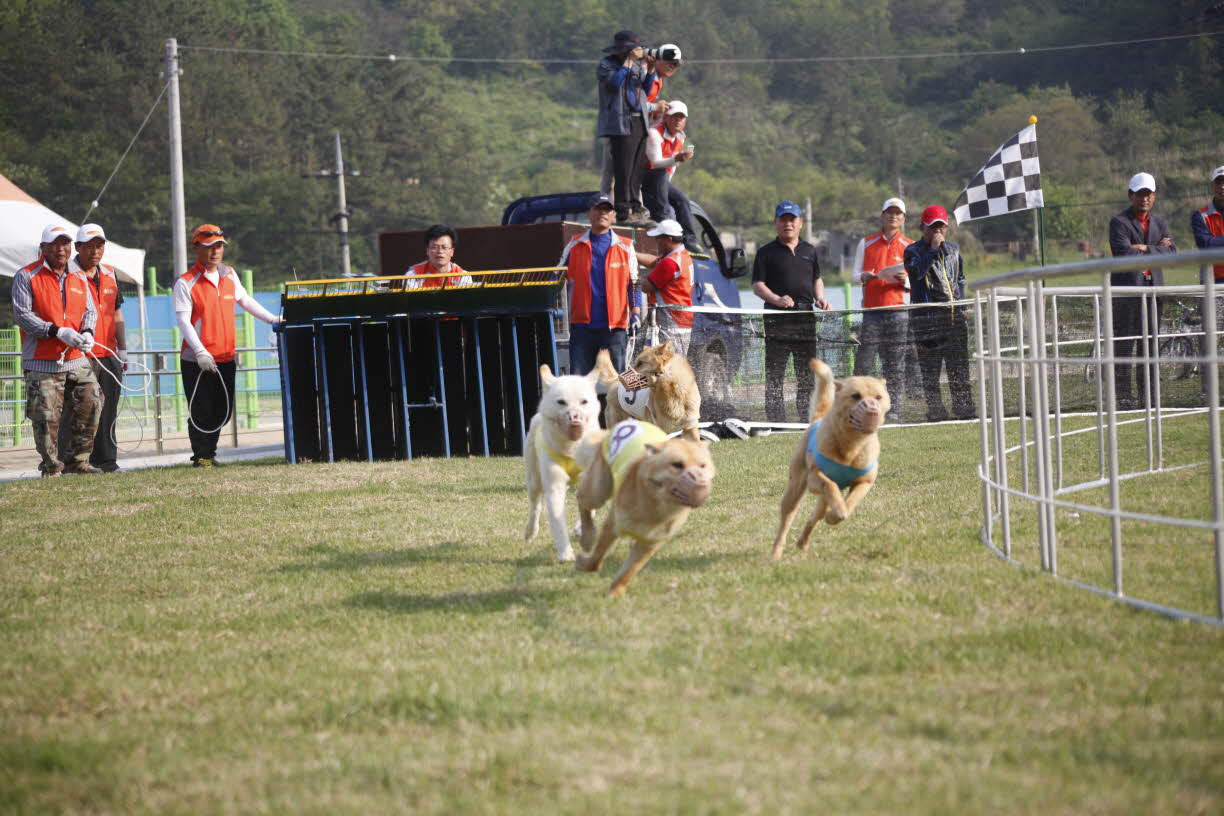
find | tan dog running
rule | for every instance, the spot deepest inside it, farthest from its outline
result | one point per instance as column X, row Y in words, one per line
column 654, row 483
column 839, row 450
column 670, row 400
column 568, row 411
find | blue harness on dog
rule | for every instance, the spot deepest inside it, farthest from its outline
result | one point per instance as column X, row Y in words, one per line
column 842, row 475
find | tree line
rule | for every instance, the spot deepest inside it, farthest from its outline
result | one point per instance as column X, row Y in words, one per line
column 453, row 140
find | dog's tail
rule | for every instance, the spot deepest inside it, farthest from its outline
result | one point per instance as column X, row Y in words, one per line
column 608, row 375
column 824, row 389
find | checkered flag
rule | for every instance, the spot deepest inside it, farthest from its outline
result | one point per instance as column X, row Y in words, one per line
column 1009, row 182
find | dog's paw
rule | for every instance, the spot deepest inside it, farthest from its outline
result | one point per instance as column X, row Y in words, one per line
column 835, row 515
column 565, row 556
column 617, row 591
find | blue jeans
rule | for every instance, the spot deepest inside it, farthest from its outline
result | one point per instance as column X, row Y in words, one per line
column 586, row 341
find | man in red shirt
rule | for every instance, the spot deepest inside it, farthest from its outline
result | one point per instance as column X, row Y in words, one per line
column 670, row 281
column 55, row 311
column 879, row 267
column 440, row 243
column 108, row 357
column 204, row 301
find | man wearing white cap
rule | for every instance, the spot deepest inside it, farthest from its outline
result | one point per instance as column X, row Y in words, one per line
column 108, row 358
column 55, row 311
column 879, row 268
column 1136, row 231
column 670, row 281
column 665, row 150
column 204, row 300
column 1207, row 224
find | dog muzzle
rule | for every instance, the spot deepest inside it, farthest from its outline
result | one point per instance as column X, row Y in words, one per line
column 573, row 423
column 866, row 416
column 632, row 380
column 691, row 489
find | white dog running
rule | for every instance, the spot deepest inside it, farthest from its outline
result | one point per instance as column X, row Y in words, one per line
column 568, row 411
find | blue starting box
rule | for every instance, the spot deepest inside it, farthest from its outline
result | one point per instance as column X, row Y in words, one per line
column 393, row 367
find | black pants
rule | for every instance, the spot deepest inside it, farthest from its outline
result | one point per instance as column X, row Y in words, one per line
column 787, row 338
column 628, row 156
column 585, row 343
column 943, row 339
column 1128, row 322
column 211, row 408
column 666, row 200
column 884, row 335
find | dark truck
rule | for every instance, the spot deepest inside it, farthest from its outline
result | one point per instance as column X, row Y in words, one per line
column 717, row 346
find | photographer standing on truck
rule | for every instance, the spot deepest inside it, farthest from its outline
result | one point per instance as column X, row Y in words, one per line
column 623, row 82
column 786, row 275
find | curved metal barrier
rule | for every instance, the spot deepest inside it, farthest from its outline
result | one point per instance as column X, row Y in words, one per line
column 1118, row 496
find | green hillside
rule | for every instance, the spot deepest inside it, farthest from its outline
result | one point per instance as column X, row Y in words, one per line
column 456, row 138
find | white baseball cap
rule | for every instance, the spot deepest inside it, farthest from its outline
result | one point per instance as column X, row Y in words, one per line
column 893, row 202
column 1142, row 181
column 53, row 231
column 677, row 107
column 670, row 52
column 1216, row 173
column 667, row 227
column 88, row 232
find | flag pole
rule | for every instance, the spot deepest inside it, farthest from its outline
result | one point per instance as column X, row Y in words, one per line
column 1040, row 219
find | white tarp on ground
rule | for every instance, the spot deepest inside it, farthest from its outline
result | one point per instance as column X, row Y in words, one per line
column 21, row 224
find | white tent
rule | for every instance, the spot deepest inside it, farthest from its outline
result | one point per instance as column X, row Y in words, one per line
column 21, row 224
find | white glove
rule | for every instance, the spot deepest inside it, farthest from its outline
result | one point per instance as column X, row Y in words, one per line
column 122, row 355
column 206, row 362
column 88, row 342
column 71, row 337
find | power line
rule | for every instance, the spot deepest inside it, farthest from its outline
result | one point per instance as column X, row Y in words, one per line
column 1000, row 52
column 94, row 204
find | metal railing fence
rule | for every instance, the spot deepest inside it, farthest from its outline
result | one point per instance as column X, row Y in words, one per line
column 1146, row 464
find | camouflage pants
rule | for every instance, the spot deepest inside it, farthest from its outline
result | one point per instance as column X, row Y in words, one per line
column 45, row 397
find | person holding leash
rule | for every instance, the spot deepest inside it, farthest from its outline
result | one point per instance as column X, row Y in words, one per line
column 204, row 300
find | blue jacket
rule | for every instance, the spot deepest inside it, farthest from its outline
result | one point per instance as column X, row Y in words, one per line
column 621, row 94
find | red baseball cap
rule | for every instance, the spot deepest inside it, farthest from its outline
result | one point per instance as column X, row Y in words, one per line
column 933, row 215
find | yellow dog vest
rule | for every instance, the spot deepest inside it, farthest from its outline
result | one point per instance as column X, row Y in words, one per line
column 626, row 442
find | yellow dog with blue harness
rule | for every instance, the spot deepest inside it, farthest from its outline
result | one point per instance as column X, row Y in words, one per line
column 840, row 451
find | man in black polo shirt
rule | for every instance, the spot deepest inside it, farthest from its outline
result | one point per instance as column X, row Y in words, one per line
column 786, row 276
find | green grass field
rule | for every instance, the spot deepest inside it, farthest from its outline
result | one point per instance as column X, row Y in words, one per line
column 378, row 638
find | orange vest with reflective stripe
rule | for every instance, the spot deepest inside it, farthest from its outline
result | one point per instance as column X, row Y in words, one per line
column 66, row 309
column 671, row 146
column 877, row 254
column 1215, row 225
column 423, row 268
column 616, row 280
column 678, row 288
column 106, row 303
column 212, row 310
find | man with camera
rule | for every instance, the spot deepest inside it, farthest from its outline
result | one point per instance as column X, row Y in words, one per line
column 623, row 80
column 663, row 62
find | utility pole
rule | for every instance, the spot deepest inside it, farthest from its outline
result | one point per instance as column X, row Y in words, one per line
column 178, row 209
column 807, row 209
column 342, row 213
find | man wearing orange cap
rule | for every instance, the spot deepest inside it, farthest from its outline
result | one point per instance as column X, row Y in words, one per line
column 936, row 273
column 55, row 311
column 108, row 358
column 204, row 300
